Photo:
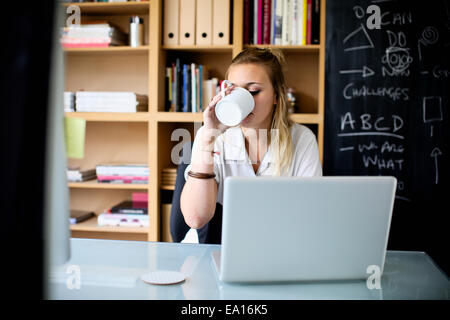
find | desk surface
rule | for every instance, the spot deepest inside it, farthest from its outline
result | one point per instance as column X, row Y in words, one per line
column 111, row 269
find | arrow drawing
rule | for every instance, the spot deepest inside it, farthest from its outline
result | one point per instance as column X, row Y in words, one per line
column 435, row 153
column 366, row 71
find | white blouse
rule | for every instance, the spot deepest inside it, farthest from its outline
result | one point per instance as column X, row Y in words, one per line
column 232, row 159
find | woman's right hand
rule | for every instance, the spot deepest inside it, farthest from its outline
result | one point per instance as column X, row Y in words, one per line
column 210, row 119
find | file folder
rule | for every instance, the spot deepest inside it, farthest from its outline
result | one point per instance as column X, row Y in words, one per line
column 221, row 22
column 171, row 22
column 204, row 22
column 187, row 22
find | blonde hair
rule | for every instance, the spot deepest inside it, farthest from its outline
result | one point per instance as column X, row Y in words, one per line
column 273, row 61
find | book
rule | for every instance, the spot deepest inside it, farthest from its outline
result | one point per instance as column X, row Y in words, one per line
column 193, row 88
column 77, row 175
column 168, row 89
column 121, row 177
column 260, row 21
column 303, row 20
column 255, row 22
column 122, row 181
column 113, row 101
column 278, row 21
column 92, row 34
column 308, row 21
column 129, row 207
column 267, row 6
column 185, row 92
column 123, row 220
column 286, row 17
column 77, row 216
column 251, row 19
column 246, row 21
column 198, row 86
column 272, row 21
column 315, row 22
column 116, row 169
column 139, row 197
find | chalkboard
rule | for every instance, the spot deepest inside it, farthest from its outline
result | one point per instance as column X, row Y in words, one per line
column 386, row 109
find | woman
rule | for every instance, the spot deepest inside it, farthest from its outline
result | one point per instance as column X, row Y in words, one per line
column 266, row 142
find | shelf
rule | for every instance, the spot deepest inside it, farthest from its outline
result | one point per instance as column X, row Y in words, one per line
column 309, row 118
column 110, row 116
column 93, row 184
column 198, row 117
column 167, row 187
column 200, row 48
column 91, row 225
column 179, row 117
column 112, row 8
column 308, row 48
column 109, row 50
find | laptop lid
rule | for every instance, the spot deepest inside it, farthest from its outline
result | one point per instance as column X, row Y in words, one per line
column 292, row 228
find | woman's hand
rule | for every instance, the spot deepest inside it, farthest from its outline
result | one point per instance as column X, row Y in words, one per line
column 212, row 125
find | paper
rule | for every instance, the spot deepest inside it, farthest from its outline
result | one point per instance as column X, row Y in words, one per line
column 75, row 131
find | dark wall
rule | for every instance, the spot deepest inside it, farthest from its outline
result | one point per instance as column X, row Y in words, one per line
column 386, row 113
column 24, row 64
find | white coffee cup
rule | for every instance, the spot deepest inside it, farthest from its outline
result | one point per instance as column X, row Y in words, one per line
column 235, row 106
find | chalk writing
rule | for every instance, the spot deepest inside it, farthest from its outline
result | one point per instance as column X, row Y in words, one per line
column 394, row 93
column 365, row 71
column 429, row 36
column 358, row 39
column 435, row 154
column 367, row 122
column 396, row 58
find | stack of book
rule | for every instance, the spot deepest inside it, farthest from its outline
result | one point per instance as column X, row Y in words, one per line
column 76, row 174
column 92, row 35
column 122, row 173
column 282, row 22
column 169, row 176
column 129, row 207
column 77, row 216
column 128, row 213
column 94, row 101
column 69, row 101
column 122, row 220
column 187, row 89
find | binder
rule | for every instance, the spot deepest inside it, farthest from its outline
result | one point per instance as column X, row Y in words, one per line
column 171, row 22
column 221, row 22
column 187, row 22
column 203, row 22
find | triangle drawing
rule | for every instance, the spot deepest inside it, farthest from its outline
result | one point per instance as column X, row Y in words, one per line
column 357, row 40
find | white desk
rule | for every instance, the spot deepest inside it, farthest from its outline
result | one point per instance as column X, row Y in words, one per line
column 112, row 269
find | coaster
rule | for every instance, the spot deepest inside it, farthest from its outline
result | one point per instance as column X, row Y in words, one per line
column 163, row 277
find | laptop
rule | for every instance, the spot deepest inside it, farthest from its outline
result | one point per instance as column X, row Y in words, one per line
column 304, row 229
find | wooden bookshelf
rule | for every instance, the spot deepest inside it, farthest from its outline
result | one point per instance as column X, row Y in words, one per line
column 146, row 137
